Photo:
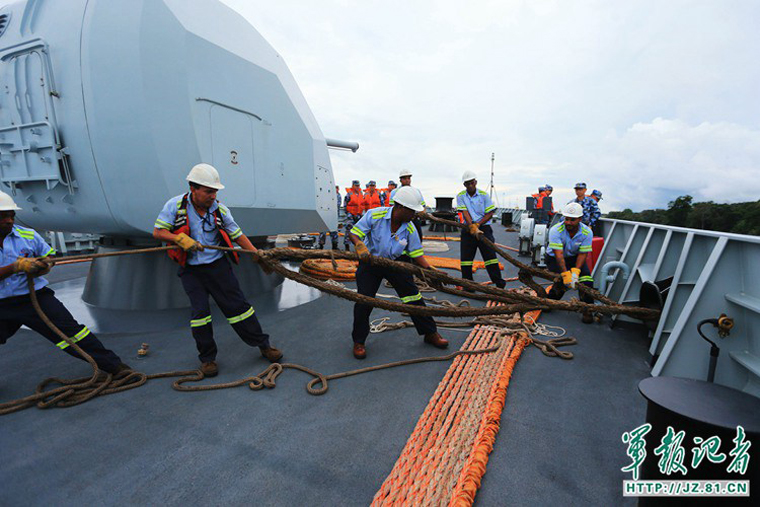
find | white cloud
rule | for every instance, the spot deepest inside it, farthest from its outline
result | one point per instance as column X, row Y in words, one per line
column 645, row 100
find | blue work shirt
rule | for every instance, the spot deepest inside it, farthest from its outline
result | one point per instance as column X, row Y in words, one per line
column 22, row 242
column 393, row 192
column 478, row 205
column 202, row 229
column 374, row 229
column 560, row 239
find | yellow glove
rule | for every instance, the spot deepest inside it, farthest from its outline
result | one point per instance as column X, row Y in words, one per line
column 187, row 243
column 28, row 265
column 474, row 229
column 576, row 274
column 362, row 250
column 567, row 278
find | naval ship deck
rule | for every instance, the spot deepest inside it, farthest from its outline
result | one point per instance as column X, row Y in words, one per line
column 559, row 443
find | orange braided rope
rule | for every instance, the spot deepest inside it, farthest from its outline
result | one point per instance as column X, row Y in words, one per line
column 346, row 269
column 445, row 457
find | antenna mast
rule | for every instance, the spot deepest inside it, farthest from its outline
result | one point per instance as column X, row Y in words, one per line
column 492, row 189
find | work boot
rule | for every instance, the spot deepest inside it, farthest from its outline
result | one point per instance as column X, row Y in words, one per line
column 588, row 318
column 209, row 369
column 360, row 352
column 436, row 340
column 271, row 353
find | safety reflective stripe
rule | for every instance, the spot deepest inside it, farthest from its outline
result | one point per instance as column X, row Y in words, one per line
column 81, row 334
column 236, row 234
column 482, row 192
column 410, row 228
column 465, row 263
column 556, row 246
column 462, row 192
column 160, row 224
column 200, row 322
column 50, row 252
column 380, row 214
column 490, row 208
column 586, row 279
column 223, row 209
column 416, row 253
column 492, row 261
column 461, row 208
column 409, row 299
column 241, row 317
column 584, row 249
column 391, row 202
column 358, row 232
column 561, row 228
column 26, row 234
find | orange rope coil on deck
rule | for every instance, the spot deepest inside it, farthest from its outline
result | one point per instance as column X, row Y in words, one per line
column 346, row 269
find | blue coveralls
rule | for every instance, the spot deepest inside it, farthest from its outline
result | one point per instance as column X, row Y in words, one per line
column 374, row 229
column 16, row 308
column 209, row 272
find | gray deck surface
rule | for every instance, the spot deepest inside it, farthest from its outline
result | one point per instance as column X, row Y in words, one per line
column 559, row 441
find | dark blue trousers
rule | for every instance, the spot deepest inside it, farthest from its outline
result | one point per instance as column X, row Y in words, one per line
column 469, row 245
column 18, row 311
column 559, row 289
column 218, row 281
column 368, row 280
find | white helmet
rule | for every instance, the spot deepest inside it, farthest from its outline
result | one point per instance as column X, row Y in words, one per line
column 7, row 204
column 206, row 175
column 468, row 175
column 404, row 173
column 409, row 197
column 573, row 210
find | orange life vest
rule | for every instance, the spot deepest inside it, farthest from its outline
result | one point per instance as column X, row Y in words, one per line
column 181, row 226
column 371, row 200
column 539, row 200
column 355, row 204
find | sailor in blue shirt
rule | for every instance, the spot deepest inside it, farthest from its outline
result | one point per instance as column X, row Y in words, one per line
column 191, row 221
column 596, row 214
column 25, row 252
column 476, row 211
column 569, row 245
column 405, row 177
column 388, row 232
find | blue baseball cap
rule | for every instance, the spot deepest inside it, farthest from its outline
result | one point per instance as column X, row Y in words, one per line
column 371, row 183
column 597, row 193
column 392, row 183
column 580, row 185
column 541, row 189
column 355, row 182
column 548, row 187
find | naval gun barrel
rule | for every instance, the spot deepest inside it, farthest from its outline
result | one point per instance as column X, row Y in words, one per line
column 346, row 145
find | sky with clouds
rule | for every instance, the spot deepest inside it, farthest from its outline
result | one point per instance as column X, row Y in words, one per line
column 645, row 100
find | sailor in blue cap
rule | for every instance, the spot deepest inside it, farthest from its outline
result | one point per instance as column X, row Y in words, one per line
column 385, row 196
column 591, row 211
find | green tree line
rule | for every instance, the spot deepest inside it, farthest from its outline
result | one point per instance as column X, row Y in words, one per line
column 740, row 218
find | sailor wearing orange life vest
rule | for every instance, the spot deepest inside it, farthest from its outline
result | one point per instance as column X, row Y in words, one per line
column 190, row 221
column 354, row 204
column 371, row 196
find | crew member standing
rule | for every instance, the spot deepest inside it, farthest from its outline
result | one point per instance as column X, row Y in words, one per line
column 569, row 244
column 25, row 252
column 195, row 219
column 405, row 177
column 354, row 209
column 590, row 209
column 371, row 196
column 385, row 197
column 388, row 232
column 476, row 209
column 333, row 234
column 596, row 196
